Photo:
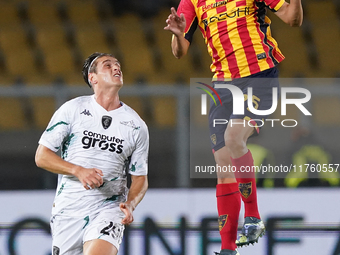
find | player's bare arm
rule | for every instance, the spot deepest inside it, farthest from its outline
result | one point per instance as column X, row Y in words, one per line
column 176, row 24
column 291, row 13
column 48, row 160
column 139, row 186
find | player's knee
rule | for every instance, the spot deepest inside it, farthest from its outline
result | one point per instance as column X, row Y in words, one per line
column 234, row 143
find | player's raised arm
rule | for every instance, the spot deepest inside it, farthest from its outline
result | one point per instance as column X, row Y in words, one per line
column 176, row 24
column 291, row 13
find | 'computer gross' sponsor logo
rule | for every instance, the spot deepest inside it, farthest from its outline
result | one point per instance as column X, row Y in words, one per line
column 104, row 142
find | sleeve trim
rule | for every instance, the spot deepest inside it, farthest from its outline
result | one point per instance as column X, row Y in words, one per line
column 279, row 5
column 48, row 145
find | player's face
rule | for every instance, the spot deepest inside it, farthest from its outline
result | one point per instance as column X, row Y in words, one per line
column 109, row 71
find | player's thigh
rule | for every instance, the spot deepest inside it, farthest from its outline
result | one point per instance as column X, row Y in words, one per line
column 219, row 116
column 99, row 247
column 226, row 128
column 242, row 126
column 106, row 228
column 67, row 235
column 236, row 136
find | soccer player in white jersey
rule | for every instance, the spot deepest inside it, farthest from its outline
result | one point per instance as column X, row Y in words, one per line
column 101, row 140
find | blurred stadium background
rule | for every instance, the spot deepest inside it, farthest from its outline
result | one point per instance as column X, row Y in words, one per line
column 42, row 48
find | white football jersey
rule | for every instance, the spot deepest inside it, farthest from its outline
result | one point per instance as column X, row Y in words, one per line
column 116, row 142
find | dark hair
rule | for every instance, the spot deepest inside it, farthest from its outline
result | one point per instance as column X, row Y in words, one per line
column 87, row 64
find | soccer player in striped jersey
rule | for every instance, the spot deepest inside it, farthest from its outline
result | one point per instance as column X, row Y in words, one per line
column 238, row 38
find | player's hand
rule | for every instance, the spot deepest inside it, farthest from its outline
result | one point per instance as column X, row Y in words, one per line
column 127, row 209
column 90, row 177
column 176, row 24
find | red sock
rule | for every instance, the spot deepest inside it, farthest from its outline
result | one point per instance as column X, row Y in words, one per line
column 228, row 207
column 247, row 185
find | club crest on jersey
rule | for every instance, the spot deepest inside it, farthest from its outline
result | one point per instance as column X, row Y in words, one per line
column 222, row 220
column 106, row 121
column 245, row 189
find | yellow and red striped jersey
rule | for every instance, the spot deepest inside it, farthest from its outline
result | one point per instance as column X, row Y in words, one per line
column 237, row 34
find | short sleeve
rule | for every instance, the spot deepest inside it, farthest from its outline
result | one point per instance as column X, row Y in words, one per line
column 57, row 129
column 139, row 158
column 273, row 5
column 187, row 8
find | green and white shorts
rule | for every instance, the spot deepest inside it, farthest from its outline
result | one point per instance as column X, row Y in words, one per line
column 70, row 233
